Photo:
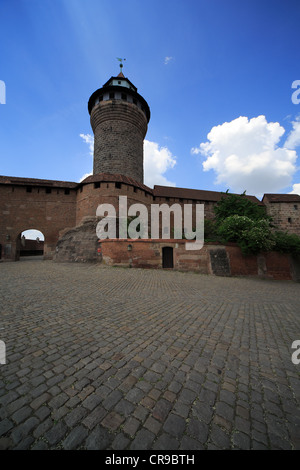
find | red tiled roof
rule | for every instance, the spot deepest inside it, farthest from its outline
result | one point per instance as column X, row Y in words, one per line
column 198, row 194
column 37, row 182
column 282, row 197
column 116, row 178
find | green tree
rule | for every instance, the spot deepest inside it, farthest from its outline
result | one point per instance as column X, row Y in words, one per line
column 234, row 204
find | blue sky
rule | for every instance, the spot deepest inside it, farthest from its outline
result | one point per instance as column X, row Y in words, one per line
column 216, row 74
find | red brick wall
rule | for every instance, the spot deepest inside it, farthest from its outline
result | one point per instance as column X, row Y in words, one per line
column 22, row 210
column 148, row 253
column 241, row 265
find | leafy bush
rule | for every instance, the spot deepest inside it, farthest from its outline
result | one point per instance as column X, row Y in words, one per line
column 286, row 242
column 253, row 236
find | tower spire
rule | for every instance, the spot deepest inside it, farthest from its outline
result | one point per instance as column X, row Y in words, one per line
column 121, row 64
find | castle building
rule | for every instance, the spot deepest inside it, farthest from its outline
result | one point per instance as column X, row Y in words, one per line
column 65, row 212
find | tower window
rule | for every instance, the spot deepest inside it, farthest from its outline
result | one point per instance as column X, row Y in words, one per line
column 101, row 98
column 289, row 220
column 119, row 82
column 48, row 190
column 97, row 185
column 29, row 189
column 67, row 191
column 134, row 101
column 118, row 185
column 111, row 95
column 295, row 207
column 124, row 96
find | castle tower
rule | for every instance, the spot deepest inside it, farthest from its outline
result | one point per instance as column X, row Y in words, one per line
column 119, row 119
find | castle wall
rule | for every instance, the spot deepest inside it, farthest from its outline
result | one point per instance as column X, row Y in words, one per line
column 40, row 209
column 211, row 259
column 90, row 196
column 285, row 215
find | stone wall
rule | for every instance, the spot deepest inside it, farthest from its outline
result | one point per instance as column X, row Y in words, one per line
column 119, row 130
column 285, row 215
column 78, row 244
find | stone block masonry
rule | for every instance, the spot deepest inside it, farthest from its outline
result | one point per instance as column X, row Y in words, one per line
column 119, row 131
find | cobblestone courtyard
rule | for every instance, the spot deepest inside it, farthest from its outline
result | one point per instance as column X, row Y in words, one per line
column 113, row 358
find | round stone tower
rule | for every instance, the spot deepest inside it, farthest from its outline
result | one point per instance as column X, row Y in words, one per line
column 119, row 119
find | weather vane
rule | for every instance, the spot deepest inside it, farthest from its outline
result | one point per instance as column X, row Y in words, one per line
column 121, row 63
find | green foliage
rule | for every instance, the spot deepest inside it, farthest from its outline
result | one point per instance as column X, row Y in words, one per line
column 210, row 230
column 287, row 242
column 233, row 204
column 253, row 236
column 231, row 227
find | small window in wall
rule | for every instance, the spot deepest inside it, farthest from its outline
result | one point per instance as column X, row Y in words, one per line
column 295, row 207
column 97, row 185
column 289, row 220
column 118, row 185
column 28, row 189
column 101, row 98
column 124, row 96
column 119, row 82
column 67, row 191
column 48, row 190
column 134, row 189
column 111, row 95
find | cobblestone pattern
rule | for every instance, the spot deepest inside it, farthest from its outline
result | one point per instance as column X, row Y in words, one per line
column 114, row 358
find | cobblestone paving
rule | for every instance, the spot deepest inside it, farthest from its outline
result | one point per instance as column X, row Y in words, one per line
column 113, row 358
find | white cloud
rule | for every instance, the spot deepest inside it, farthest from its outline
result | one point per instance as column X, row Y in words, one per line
column 157, row 160
column 168, row 60
column 89, row 139
column 296, row 189
column 293, row 139
column 85, row 176
column 245, row 155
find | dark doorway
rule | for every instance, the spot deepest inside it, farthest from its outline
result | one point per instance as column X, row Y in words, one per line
column 167, row 257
